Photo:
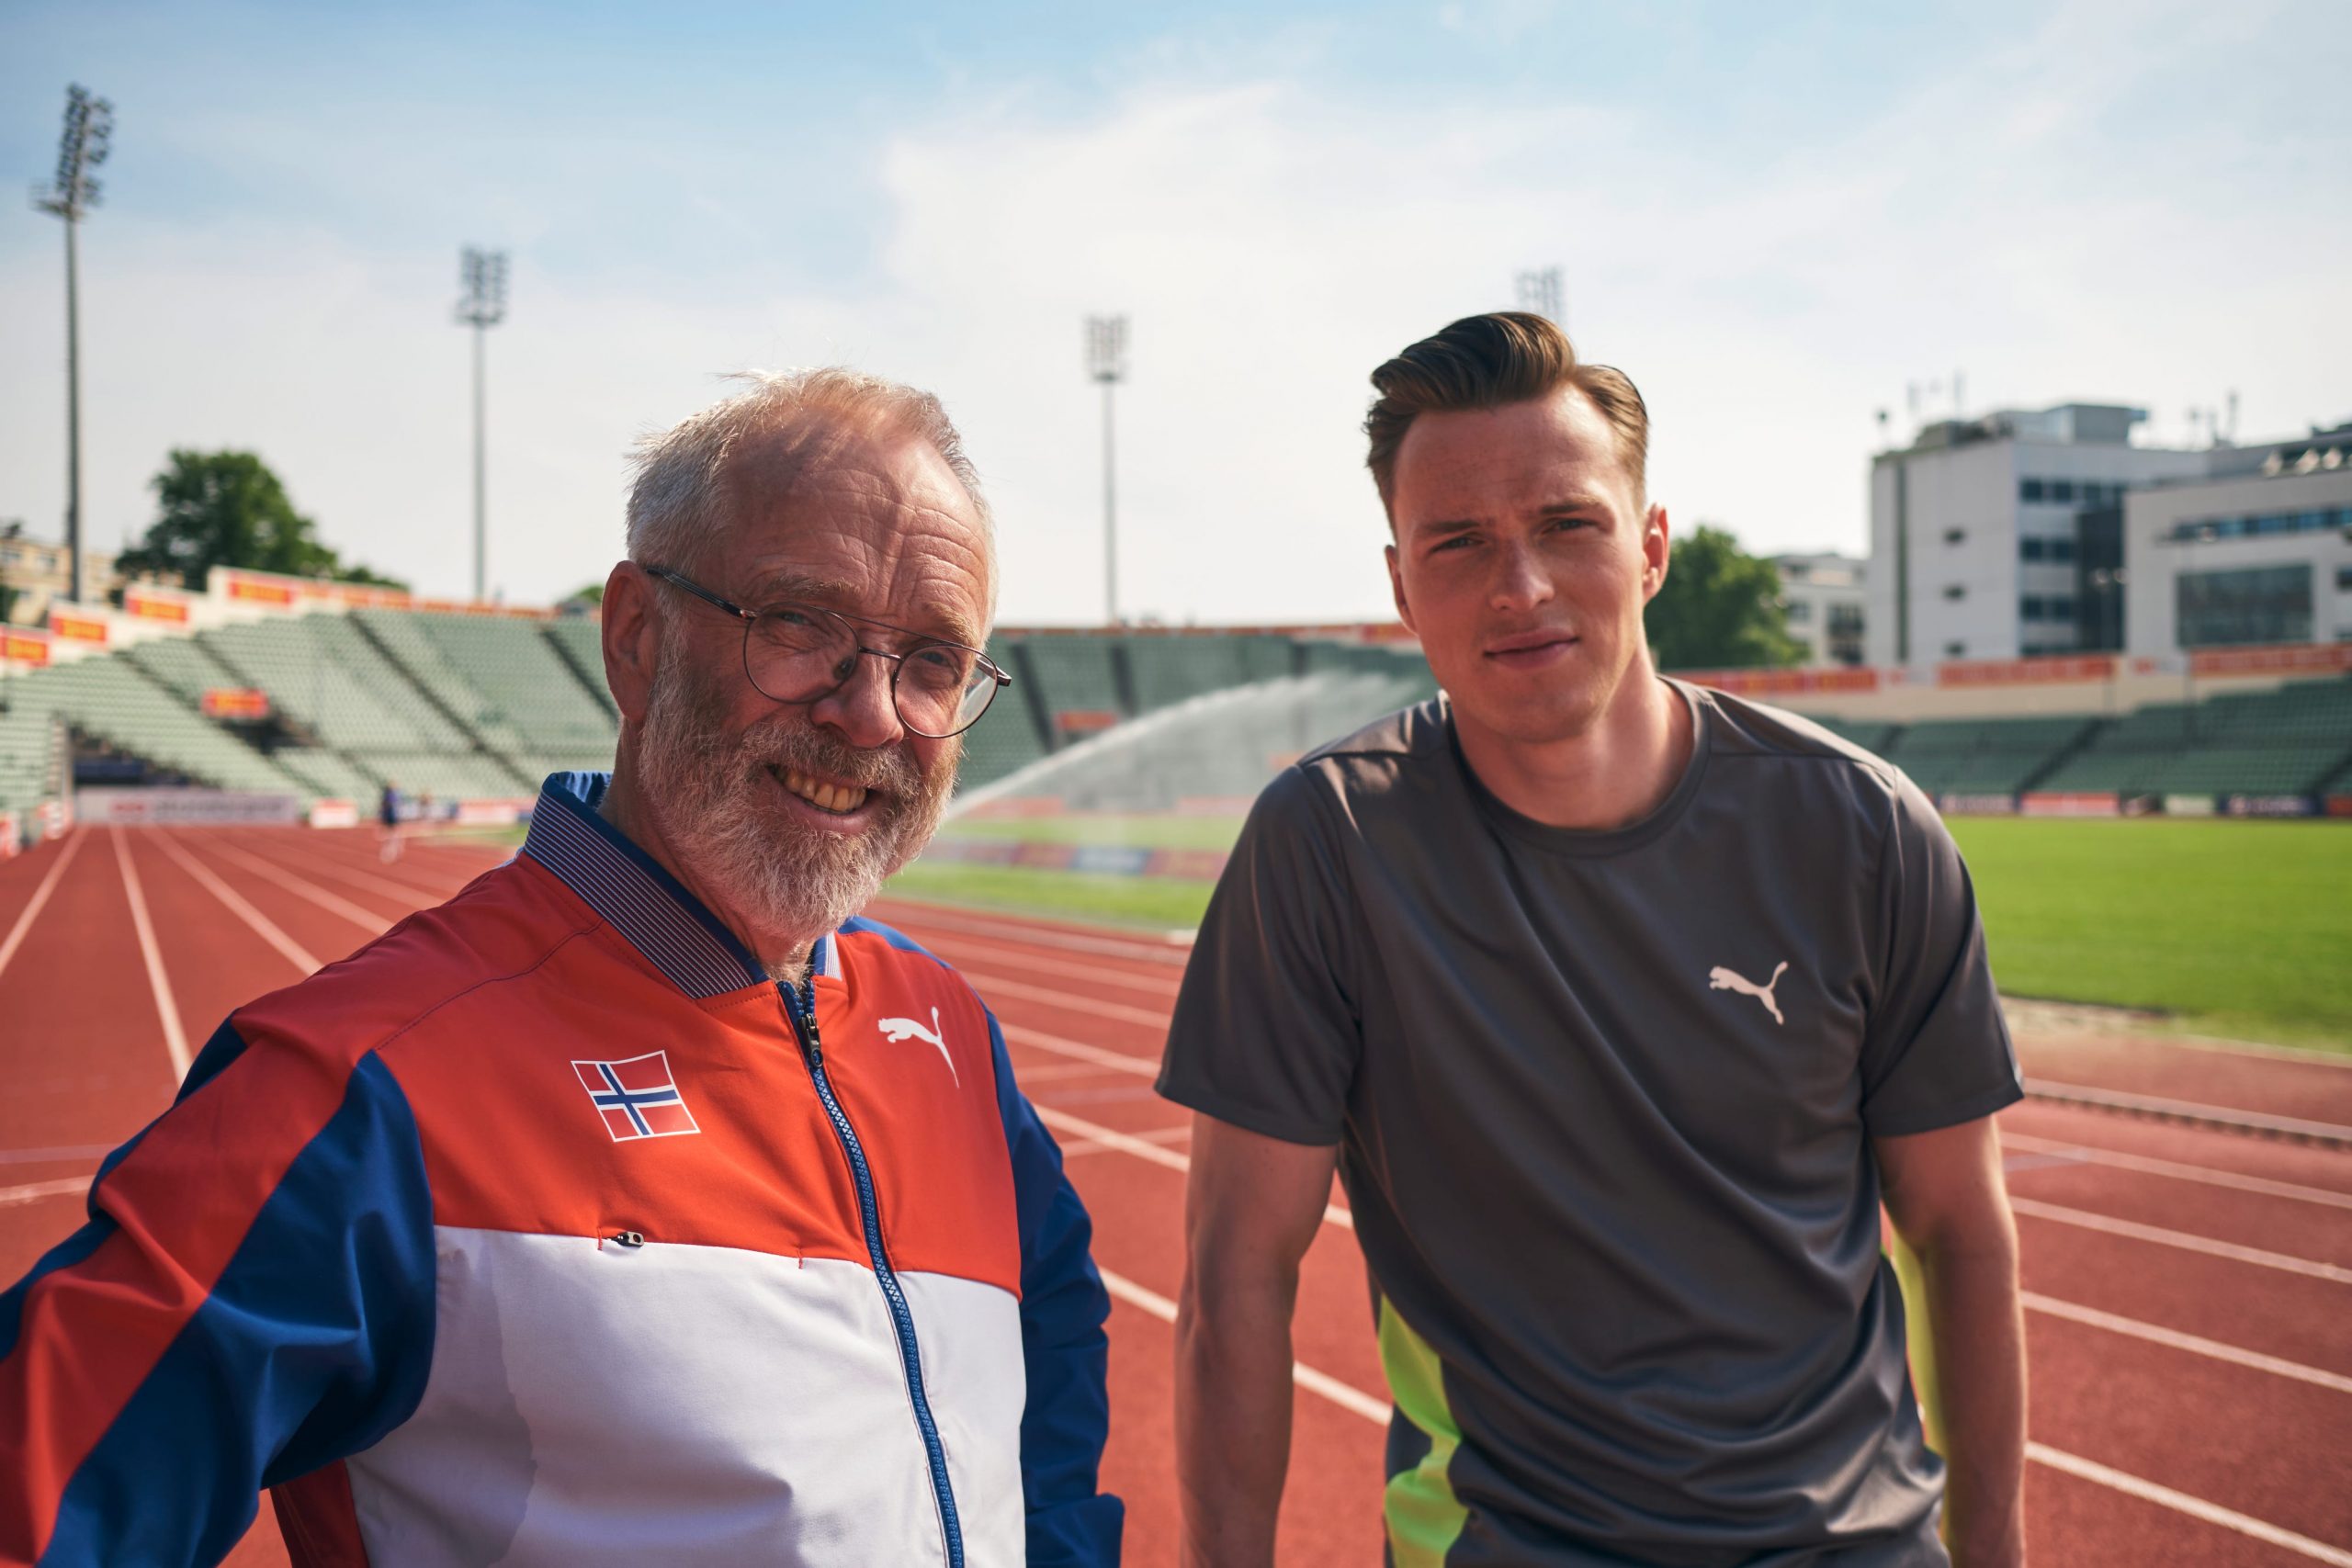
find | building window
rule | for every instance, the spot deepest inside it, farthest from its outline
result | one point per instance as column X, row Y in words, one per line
column 2061, row 550
column 1845, row 620
column 1955, row 650
column 1956, row 592
column 2342, row 580
column 1955, row 535
column 2062, row 608
column 2257, row 604
column 2029, row 490
column 2031, row 548
column 2029, row 607
column 2316, row 519
column 1799, row 611
column 2061, row 489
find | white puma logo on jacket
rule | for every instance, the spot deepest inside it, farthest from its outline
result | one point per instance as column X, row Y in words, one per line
column 1721, row 980
column 897, row 1031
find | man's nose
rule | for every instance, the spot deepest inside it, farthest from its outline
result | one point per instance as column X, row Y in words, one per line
column 861, row 710
column 1520, row 580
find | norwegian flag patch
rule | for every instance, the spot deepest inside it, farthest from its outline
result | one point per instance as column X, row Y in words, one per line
column 638, row 1098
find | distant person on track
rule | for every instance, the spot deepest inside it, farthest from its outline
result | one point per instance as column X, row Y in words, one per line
column 1619, row 1005
column 387, row 823
column 639, row 1205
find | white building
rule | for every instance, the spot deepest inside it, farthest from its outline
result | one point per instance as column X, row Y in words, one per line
column 1827, row 603
column 2259, row 552
column 1986, row 533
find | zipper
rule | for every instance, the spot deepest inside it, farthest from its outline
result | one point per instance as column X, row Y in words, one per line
column 800, row 1006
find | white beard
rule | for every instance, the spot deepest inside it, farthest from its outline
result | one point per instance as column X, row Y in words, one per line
column 714, row 800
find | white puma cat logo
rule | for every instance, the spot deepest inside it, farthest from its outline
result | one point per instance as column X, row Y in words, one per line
column 1721, row 980
column 897, row 1031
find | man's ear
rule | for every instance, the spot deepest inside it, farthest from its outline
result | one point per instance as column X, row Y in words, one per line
column 1396, row 590
column 632, row 633
column 1657, row 552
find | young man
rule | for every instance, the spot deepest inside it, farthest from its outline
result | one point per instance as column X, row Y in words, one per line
column 638, row 1205
column 1620, row 1004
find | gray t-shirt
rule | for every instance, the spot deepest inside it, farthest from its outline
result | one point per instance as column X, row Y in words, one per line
column 1604, row 1103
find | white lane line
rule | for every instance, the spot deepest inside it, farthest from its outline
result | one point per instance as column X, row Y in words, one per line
column 367, row 921
column 159, row 983
column 2211, row 1176
column 62, row 1151
column 2181, row 1501
column 33, row 1193
column 1128, row 1144
column 1012, row 955
column 292, row 951
column 1077, row 1147
column 1118, row 1061
column 410, row 895
column 1349, row 1397
column 987, row 985
column 32, row 911
column 1172, row 951
column 2055, row 1092
column 2036, row 1209
column 2196, row 1345
column 1345, row 1395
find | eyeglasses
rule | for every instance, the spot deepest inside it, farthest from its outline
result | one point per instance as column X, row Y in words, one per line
column 799, row 653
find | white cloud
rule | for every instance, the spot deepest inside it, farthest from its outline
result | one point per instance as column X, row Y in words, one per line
column 1271, row 242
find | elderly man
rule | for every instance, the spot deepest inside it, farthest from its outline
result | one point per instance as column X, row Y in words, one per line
column 638, row 1205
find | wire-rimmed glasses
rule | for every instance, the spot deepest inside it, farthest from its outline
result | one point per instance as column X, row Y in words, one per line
column 799, row 653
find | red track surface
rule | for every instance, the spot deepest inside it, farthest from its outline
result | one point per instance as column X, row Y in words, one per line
column 2190, row 1291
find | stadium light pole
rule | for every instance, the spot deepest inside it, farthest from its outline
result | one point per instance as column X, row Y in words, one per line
column 1539, row 292
column 1106, row 363
column 483, row 273
column 89, row 123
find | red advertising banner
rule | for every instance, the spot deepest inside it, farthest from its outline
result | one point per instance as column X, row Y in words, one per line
column 76, row 627
column 1784, row 682
column 1084, row 721
column 155, row 604
column 2302, row 658
column 235, row 702
column 259, row 590
column 2071, row 803
column 2026, row 672
column 24, row 647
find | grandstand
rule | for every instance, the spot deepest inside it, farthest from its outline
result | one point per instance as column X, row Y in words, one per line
column 460, row 703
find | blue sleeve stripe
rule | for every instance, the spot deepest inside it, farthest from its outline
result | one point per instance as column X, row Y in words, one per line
column 314, row 1342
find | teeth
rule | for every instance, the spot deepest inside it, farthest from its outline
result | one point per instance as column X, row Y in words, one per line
column 839, row 798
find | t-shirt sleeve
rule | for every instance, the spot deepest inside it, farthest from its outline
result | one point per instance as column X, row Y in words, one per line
column 1936, row 1052
column 1266, row 1030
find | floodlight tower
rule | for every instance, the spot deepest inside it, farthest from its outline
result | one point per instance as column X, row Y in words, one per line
column 89, row 122
column 1539, row 292
column 1106, row 363
column 483, row 272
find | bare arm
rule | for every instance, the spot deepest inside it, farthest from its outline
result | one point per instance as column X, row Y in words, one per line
column 1946, row 1196
column 1250, row 1212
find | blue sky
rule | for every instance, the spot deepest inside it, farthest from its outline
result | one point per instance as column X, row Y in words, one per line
column 1774, row 217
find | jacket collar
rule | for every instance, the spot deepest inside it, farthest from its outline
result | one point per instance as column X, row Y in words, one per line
column 630, row 891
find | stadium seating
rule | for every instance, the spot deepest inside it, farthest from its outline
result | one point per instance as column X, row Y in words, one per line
column 32, row 757
column 1981, row 756
column 579, row 640
column 117, row 703
column 1074, row 674
column 1171, row 670
column 2288, row 741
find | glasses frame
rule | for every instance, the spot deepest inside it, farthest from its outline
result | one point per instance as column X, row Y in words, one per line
column 898, row 662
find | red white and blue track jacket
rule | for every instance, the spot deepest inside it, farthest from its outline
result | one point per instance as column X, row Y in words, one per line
column 546, row 1230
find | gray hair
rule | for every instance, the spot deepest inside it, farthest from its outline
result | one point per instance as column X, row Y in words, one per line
column 680, row 500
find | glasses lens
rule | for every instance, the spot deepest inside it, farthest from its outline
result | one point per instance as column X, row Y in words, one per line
column 794, row 653
column 935, row 688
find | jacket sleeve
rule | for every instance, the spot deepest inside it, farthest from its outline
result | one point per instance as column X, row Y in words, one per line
column 1067, row 1352
column 250, row 1298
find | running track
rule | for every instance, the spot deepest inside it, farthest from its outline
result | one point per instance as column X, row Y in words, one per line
column 2190, row 1289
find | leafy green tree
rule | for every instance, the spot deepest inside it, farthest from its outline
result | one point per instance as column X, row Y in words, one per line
column 594, row 594
column 1719, row 608
column 227, row 509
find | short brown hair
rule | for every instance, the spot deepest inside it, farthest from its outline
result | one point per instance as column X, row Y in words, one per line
column 1486, row 362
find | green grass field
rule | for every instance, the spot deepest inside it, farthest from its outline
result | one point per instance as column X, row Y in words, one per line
column 1152, row 832
column 2239, row 928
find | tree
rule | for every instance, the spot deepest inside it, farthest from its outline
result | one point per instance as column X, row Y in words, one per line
column 227, row 509
column 1719, row 608
column 594, row 594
